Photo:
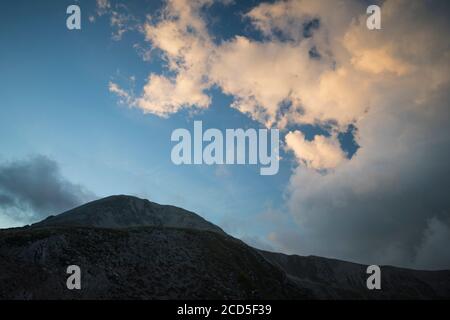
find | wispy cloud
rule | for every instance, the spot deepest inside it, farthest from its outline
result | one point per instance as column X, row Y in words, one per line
column 120, row 18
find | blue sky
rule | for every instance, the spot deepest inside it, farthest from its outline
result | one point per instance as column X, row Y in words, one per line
column 363, row 116
column 55, row 102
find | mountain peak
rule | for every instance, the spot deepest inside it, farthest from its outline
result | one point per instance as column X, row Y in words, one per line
column 122, row 211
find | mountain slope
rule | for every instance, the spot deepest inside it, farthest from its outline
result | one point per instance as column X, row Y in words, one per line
column 129, row 248
column 136, row 263
column 335, row 279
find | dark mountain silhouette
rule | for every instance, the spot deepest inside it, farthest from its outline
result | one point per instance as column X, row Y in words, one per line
column 125, row 211
column 129, row 248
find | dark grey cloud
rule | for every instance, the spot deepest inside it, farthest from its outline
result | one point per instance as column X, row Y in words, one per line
column 6, row 201
column 33, row 188
column 390, row 204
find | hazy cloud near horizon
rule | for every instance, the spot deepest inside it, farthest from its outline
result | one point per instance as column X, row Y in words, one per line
column 33, row 188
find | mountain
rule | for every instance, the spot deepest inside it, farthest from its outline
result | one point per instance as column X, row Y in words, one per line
column 125, row 211
column 130, row 248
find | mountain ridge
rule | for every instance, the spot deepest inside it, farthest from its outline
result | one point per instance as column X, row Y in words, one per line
column 131, row 248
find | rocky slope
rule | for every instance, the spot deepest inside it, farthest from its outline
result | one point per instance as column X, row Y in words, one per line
column 128, row 248
column 335, row 279
column 136, row 263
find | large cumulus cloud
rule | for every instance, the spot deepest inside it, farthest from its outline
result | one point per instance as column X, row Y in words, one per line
column 316, row 63
column 389, row 203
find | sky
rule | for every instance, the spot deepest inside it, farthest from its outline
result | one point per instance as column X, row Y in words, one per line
column 363, row 118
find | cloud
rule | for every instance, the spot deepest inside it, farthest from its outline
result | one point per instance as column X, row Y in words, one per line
column 163, row 96
column 320, row 153
column 124, row 96
column 382, row 206
column 181, row 35
column 103, row 4
column 280, row 81
column 120, row 18
column 277, row 79
column 33, row 188
column 376, row 207
column 433, row 251
column 316, row 63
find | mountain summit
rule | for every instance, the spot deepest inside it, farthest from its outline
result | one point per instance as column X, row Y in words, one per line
column 122, row 211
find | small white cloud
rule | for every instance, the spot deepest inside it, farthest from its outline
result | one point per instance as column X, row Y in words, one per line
column 320, row 153
column 163, row 96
